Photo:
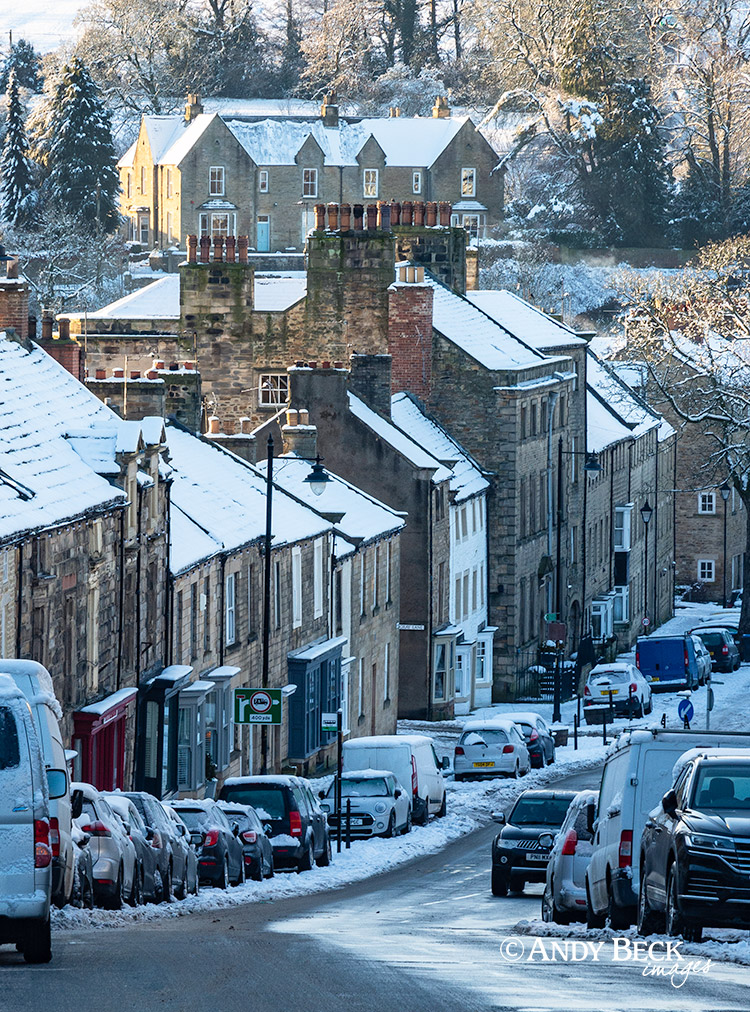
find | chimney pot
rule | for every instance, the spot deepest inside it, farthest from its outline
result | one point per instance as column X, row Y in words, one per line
column 384, row 216
column 118, row 373
column 431, row 213
column 204, row 245
column 320, row 217
column 304, row 416
column 372, row 217
column 338, row 365
column 152, row 374
column 46, row 327
column 214, row 425
column 190, row 366
column 135, row 374
column 419, row 212
column 346, row 217
column 192, row 249
column 358, row 212
column 395, row 212
column 291, row 416
column 325, row 364
column 313, row 365
column 11, row 269
column 174, row 366
column 243, row 242
column 441, row 109
column 231, row 246
column 407, row 209
column 159, row 363
column 100, row 374
column 218, row 248
column 445, row 208
column 333, row 217
column 246, row 425
column 64, row 329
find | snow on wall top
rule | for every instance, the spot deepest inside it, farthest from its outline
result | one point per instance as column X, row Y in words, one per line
column 400, row 442
column 364, row 516
column 226, row 498
column 39, row 403
column 466, row 476
column 525, row 321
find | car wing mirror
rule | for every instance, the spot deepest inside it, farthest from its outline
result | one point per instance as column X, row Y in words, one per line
column 235, row 829
column 397, row 793
column 591, row 817
column 149, row 833
column 57, row 783
column 127, row 827
column 669, row 802
column 498, row 817
column 321, row 794
column 76, row 804
column 446, row 763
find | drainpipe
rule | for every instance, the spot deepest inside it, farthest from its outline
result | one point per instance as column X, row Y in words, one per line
column 429, row 604
column 656, row 532
column 19, row 609
column 169, row 602
column 121, row 608
column 222, row 621
column 551, row 402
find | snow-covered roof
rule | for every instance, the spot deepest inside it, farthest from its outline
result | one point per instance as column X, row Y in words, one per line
column 163, row 131
column 395, row 438
column 225, row 497
column 276, row 291
column 525, row 321
column 481, row 337
column 466, row 475
column 388, row 741
column 363, row 516
column 614, row 411
column 43, row 480
column 603, row 428
column 505, row 723
column 183, row 138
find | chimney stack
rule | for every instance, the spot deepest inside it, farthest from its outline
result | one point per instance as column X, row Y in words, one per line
column 441, row 109
column 410, row 331
column 329, row 111
column 298, row 435
column 193, row 107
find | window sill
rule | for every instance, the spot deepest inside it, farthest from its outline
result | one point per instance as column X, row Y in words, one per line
column 231, row 647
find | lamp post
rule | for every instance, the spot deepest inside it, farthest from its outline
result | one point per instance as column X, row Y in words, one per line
column 646, row 514
column 725, row 496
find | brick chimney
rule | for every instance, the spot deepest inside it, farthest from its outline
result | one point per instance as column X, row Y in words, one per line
column 441, row 109
column 14, row 300
column 329, row 111
column 298, row 435
column 410, row 332
column 193, row 107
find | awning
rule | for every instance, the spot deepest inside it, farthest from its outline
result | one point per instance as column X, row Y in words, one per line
column 223, row 674
column 90, row 719
column 196, row 692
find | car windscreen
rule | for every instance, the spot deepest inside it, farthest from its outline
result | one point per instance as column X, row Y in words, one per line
column 268, row 802
column 721, row 787
column 10, row 755
column 242, row 819
column 488, row 735
column 197, row 819
column 609, row 676
column 539, row 812
column 713, row 639
column 372, row 787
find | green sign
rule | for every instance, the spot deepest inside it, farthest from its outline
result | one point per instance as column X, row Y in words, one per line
column 257, row 706
column 551, row 616
column 329, row 722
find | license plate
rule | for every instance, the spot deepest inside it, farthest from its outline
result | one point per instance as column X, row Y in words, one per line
column 606, row 692
column 537, row 857
column 654, row 679
column 483, row 764
column 356, row 822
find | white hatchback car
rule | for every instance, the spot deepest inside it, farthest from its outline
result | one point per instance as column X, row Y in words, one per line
column 377, row 803
column 622, row 684
column 488, row 748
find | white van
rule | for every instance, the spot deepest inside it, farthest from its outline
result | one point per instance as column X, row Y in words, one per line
column 637, row 773
column 36, row 684
column 25, row 851
column 413, row 760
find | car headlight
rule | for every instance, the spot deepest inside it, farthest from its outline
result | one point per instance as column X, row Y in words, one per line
column 380, row 806
column 509, row 844
column 723, row 843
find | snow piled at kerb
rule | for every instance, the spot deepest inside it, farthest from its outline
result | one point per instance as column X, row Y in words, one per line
column 469, row 807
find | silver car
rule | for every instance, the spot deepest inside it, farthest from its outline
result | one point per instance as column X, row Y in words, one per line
column 703, row 659
column 379, row 806
column 564, row 897
column 489, row 748
column 112, row 851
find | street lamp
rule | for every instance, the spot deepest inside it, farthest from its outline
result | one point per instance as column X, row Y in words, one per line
column 646, row 514
column 317, row 479
column 725, row 496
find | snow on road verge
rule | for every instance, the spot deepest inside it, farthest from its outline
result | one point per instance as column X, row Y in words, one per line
column 725, row 945
column 469, row 807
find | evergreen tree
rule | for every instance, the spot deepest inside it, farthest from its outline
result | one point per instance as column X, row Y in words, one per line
column 81, row 159
column 15, row 174
column 27, row 65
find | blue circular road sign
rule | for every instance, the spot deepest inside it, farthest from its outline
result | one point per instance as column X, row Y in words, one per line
column 685, row 710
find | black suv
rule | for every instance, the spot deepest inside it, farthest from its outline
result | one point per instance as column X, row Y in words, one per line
column 290, row 815
column 695, row 850
column 521, row 849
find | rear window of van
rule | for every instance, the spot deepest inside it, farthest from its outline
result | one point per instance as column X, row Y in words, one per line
column 10, row 755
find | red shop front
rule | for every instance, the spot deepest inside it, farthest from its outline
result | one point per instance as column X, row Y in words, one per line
column 99, row 738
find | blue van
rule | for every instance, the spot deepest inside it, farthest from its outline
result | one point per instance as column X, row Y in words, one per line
column 667, row 663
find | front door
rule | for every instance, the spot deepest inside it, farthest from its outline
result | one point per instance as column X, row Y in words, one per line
column 143, row 229
column 263, row 233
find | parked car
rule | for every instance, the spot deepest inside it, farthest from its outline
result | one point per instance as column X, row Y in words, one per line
column 286, row 806
column 521, row 849
column 83, row 880
column 256, row 846
column 488, row 748
column 26, row 864
column 221, row 859
column 667, row 662
column 112, row 851
column 723, row 620
column 413, row 761
column 379, row 806
column 630, row 692
column 702, row 658
column 721, row 646
column 564, row 897
column 35, row 682
column 171, row 857
column 149, row 880
column 537, row 734
column 191, row 858
column 636, row 774
column 695, row 848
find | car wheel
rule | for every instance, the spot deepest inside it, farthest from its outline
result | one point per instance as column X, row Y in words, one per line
column 223, row 882
column 308, row 858
column 117, row 899
column 391, row 831
column 458, row 777
column 87, row 893
column 515, row 771
column 593, row 920
column 425, row 818
column 649, row 921
column 136, row 891
column 639, row 711
column 675, row 922
column 168, row 884
column 241, row 874
column 547, row 915
column 618, row 919
column 499, row 882
column 517, row 883
column 407, row 827
column 37, row 946
column 270, row 870
column 443, row 808
column 326, row 857
column 650, row 704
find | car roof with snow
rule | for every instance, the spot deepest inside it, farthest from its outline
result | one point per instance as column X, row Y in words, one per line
column 614, row 666
column 496, row 723
column 186, row 804
column 389, row 741
column 524, row 716
column 279, row 779
column 367, row 774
